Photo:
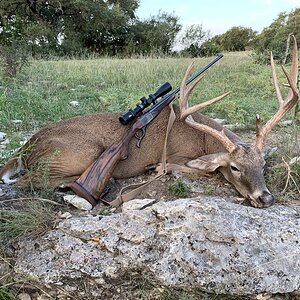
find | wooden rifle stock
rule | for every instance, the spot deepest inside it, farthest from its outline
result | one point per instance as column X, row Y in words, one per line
column 92, row 182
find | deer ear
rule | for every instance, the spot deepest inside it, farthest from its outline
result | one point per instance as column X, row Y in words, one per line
column 210, row 162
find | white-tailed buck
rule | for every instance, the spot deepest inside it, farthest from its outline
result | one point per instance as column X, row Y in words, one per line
column 64, row 150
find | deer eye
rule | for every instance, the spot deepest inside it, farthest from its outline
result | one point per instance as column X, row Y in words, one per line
column 234, row 169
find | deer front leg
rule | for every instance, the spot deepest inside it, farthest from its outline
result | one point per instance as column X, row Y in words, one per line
column 173, row 168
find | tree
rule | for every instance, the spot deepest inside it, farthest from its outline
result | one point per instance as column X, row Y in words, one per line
column 192, row 38
column 154, row 35
column 59, row 25
column 274, row 38
column 211, row 46
column 194, row 35
column 237, row 38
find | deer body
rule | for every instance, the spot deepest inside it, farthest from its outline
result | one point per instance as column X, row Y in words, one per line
column 64, row 150
column 68, row 147
column 59, row 153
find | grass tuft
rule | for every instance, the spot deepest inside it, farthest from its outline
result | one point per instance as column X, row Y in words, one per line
column 34, row 218
column 179, row 189
column 5, row 294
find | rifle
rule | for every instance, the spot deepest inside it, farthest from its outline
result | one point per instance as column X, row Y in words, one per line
column 92, row 182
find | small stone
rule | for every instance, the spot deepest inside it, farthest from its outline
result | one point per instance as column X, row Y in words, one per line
column 221, row 121
column 163, row 179
column 269, row 151
column 5, row 142
column 152, row 194
column 65, row 215
column 24, row 296
column 42, row 297
column 286, row 123
column 2, row 136
column 294, row 160
column 232, row 126
column 17, row 122
column 74, row 103
column 78, row 202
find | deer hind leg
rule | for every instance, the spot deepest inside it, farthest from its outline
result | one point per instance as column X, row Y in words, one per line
column 12, row 168
column 35, row 181
column 55, row 168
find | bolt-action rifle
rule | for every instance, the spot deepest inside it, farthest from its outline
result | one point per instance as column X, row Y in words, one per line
column 91, row 184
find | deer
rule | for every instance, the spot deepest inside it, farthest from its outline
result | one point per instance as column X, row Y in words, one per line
column 196, row 143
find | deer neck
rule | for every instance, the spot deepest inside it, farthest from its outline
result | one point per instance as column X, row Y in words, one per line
column 211, row 144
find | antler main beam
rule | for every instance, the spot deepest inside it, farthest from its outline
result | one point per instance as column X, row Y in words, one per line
column 186, row 111
column 284, row 105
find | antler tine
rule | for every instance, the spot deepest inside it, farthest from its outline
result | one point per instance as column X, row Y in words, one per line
column 275, row 82
column 185, row 111
column 184, row 89
column 284, row 105
column 199, row 106
column 294, row 65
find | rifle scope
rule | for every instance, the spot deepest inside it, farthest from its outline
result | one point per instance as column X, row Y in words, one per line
column 145, row 102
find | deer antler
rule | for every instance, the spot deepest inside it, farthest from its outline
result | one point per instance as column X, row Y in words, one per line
column 284, row 105
column 186, row 111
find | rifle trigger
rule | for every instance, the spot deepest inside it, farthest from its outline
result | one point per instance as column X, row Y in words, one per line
column 140, row 135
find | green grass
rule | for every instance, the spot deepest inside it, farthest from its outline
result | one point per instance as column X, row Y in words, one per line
column 33, row 217
column 283, row 177
column 42, row 94
column 5, row 294
column 179, row 189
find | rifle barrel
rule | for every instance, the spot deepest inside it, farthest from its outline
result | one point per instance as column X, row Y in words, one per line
column 156, row 108
column 219, row 56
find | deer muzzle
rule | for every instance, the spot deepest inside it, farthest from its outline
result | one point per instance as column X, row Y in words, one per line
column 265, row 199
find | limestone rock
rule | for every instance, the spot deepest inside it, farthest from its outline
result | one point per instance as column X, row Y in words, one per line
column 205, row 243
column 78, row 202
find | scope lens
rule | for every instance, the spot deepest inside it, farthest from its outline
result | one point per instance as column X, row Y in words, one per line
column 126, row 118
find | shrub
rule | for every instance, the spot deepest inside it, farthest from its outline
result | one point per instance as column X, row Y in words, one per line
column 13, row 57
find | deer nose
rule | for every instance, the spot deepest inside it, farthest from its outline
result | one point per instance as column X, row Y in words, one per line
column 266, row 199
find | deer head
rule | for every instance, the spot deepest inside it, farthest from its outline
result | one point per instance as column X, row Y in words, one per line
column 242, row 164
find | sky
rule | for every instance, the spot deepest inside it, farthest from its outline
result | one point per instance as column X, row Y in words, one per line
column 218, row 16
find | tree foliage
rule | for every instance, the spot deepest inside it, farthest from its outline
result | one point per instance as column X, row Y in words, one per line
column 237, row 38
column 155, row 35
column 194, row 35
column 66, row 26
column 110, row 27
column 211, row 47
column 192, row 38
column 275, row 37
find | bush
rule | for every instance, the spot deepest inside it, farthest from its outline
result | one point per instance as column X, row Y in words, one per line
column 13, row 57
